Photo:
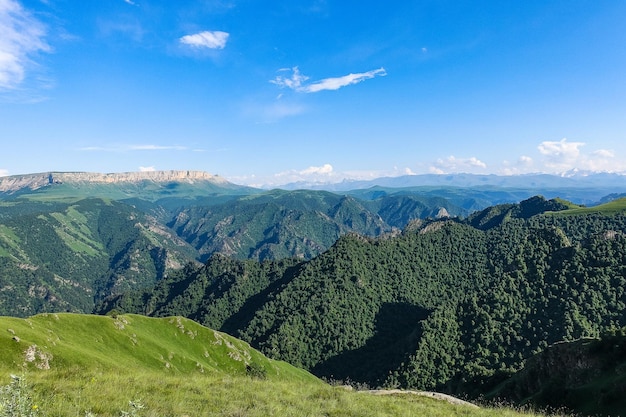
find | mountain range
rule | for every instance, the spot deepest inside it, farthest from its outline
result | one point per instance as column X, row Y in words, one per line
column 453, row 305
column 451, row 286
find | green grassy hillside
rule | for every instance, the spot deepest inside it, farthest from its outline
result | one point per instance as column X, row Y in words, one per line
column 610, row 208
column 79, row 365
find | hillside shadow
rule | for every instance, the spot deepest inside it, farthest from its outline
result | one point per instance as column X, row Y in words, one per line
column 398, row 329
column 240, row 319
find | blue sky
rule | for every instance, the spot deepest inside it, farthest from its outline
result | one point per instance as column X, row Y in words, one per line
column 281, row 91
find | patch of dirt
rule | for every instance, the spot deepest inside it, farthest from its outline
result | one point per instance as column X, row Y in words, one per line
column 430, row 394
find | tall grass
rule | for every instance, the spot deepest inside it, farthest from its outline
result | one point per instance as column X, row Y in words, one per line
column 108, row 394
column 84, row 366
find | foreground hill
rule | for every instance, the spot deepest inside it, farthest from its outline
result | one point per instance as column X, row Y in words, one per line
column 69, row 364
column 449, row 305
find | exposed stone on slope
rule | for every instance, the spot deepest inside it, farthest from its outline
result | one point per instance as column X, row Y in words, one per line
column 34, row 181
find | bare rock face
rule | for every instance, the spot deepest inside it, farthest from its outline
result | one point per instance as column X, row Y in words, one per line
column 34, row 181
column 442, row 213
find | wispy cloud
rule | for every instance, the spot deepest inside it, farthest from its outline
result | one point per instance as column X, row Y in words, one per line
column 297, row 81
column 4, row 172
column 156, row 148
column 207, row 39
column 127, row 27
column 131, row 2
column 132, row 148
column 604, row 153
column 337, row 83
column 22, row 37
column 452, row 164
column 323, row 173
column 147, row 169
column 264, row 113
column 294, row 81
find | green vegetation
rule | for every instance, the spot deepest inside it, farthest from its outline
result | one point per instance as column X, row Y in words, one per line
column 612, row 207
column 324, row 281
column 134, row 365
column 66, row 246
column 586, row 375
column 65, row 256
column 449, row 305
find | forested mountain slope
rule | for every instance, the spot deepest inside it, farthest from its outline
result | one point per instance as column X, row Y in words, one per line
column 445, row 305
column 69, row 239
column 61, row 256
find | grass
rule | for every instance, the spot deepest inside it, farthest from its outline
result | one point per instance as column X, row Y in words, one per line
column 9, row 239
column 610, row 208
column 75, row 232
column 174, row 367
column 73, row 393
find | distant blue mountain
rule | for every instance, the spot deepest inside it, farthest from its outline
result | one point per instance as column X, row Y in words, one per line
column 578, row 187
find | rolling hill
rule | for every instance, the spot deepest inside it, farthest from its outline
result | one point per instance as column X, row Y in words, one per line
column 70, row 364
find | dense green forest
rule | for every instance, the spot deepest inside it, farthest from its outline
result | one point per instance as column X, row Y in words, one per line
column 61, row 250
column 454, row 305
column 64, row 256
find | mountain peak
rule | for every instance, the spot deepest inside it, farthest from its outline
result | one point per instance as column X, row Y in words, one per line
column 35, row 181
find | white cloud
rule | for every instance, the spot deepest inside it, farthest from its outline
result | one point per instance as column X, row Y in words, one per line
column 324, row 174
column 156, row 148
column 147, row 169
column 294, row 82
column 325, row 169
column 525, row 160
column 560, row 155
column 207, row 39
column 452, row 164
column 337, row 83
column 313, row 174
column 127, row 148
column 4, row 172
column 297, row 81
column 21, row 38
column 131, row 2
column 565, row 156
column 604, row 153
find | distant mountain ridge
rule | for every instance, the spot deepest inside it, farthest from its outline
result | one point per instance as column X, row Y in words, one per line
column 15, row 183
column 539, row 180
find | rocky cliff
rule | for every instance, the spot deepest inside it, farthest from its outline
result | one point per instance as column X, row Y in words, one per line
column 34, row 181
column 585, row 376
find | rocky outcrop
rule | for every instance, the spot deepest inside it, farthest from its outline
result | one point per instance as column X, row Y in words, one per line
column 584, row 376
column 34, row 181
